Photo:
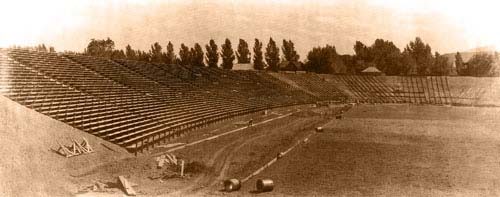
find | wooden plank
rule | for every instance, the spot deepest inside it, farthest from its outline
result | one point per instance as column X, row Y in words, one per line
column 127, row 186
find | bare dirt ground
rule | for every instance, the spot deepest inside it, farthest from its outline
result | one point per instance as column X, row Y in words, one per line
column 234, row 155
column 375, row 150
column 395, row 150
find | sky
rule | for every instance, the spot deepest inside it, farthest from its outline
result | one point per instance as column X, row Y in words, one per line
column 447, row 25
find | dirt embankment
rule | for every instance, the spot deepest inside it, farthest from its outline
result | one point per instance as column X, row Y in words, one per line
column 28, row 164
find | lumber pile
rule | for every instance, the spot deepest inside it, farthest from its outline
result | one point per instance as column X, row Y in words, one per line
column 75, row 149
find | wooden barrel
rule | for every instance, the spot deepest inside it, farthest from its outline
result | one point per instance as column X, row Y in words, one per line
column 232, row 185
column 265, row 185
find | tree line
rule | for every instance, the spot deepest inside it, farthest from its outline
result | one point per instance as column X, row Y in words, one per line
column 415, row 59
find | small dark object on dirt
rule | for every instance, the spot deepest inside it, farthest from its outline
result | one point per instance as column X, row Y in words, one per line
column 265, row 185
column 232, row 185
column 319, row 129
column 339, row 116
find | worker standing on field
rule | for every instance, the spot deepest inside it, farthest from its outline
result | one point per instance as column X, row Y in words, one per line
column 250, row 123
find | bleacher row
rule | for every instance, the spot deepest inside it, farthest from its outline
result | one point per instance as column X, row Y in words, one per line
column 136, row 104
column 377, row 89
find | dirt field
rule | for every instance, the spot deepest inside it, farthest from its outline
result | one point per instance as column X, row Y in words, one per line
column 234, row 155
column 396, row 150
column 375, row 150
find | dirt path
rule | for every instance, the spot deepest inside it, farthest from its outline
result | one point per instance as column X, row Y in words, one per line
column 240, row 155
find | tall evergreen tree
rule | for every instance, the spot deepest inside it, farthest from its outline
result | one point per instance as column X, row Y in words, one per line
column 156, row 53
column 212, row 54
column 184, row 55
column 459, row 64
column 243, row 53
column 289, row 52
column 258, row 59
column 170, row 57
column 272, row 55
column 227, row 55
column 197, row 56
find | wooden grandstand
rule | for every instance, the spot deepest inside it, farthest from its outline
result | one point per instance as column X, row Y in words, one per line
column 136, row 104
column 393, row 89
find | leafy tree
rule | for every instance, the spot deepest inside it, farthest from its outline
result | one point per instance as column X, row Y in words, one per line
column 361, row 51
column 459, row 64
column 130, row 53
column 386, row 57
column 101, row 48
column 272, row 55
column 156, row 53
column 227, row 55
column 212, row 54
column 422, row 55
column 197, row 56
column 143, row 56
column 170, row 57
column 361, row 59
column 118, row 54
column 409, row 65
column 440, row 66
column 324, row 60
column 480, row 65
column 243, row 53
column 289, row 52
column 258, row 59
column 349, row 63
column 184, row 55
column 52, row 50
column 382, row 54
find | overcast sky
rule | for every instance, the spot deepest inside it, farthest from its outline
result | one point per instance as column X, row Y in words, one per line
column 448, row 25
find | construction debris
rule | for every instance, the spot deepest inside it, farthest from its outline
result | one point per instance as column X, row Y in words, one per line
column 98, row 186
column 170, row 159
column 166, row 159
column 126, row 186
column 75, row 149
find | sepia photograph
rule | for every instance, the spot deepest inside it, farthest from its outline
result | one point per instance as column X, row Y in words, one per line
column 293, row 98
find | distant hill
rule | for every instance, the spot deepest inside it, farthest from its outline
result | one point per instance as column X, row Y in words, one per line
column 467, row 55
